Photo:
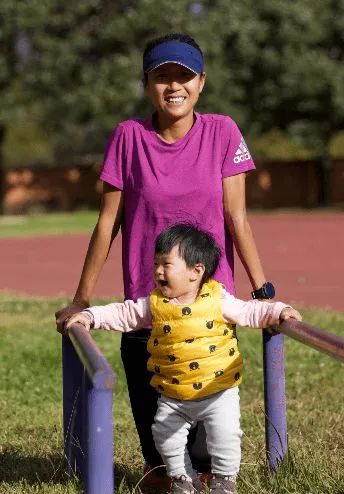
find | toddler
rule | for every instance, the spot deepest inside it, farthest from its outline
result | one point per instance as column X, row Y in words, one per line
column 194, row 355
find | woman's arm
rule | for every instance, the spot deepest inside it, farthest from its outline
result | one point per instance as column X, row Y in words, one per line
column 105, row 231
column 234, row 202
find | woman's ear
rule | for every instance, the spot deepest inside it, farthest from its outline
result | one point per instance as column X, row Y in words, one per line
column 202, row 82
column 197, row 272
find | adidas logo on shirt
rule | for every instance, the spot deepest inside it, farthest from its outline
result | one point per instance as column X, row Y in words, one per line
column 242, row 153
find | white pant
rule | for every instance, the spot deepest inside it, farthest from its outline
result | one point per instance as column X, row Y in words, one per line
column 220, row 414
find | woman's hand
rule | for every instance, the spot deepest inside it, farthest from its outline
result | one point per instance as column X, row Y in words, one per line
column 64, row 314
column 83, row 318
column 290, row 313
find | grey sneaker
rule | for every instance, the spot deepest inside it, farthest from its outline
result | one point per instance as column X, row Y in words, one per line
column 221, row 484
column 182, row 486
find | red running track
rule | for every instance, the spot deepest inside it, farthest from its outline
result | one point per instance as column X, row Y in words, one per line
column 301, row 252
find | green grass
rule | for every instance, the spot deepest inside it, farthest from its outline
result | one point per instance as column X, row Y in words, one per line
column 74, row 222
column 47, row 224
column 31, row 458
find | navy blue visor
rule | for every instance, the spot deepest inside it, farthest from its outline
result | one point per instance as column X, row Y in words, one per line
column 174, row 52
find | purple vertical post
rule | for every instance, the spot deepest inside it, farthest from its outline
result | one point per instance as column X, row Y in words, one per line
column 99, row 470
column 275, row 399
column 88, row 384
column 73, row 376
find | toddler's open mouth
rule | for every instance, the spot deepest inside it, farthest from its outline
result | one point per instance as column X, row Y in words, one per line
column 163, row 282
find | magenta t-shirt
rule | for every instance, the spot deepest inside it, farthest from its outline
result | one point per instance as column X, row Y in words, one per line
column 168, row 183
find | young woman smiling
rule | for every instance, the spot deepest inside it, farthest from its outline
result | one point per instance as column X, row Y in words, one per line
column 175, row 166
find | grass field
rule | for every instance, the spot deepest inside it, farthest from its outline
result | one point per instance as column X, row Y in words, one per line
column 47, row 224
column 31, row 458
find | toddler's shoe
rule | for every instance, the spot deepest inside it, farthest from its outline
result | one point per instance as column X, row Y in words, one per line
column 223, row 484
column 182, row 486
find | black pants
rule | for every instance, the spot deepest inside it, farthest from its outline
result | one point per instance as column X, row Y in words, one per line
column 143, row 398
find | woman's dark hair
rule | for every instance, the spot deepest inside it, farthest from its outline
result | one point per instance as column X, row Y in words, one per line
column 183, row 38
column 195, row 246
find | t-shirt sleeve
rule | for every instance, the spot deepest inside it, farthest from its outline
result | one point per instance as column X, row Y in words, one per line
column 115, row 159
column 236, row 156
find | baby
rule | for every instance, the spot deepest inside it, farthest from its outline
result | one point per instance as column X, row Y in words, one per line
column 194, row 355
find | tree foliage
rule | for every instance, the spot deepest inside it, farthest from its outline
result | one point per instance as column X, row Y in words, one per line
column 74, row 68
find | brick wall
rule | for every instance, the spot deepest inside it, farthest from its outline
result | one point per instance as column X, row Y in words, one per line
column 273, row 185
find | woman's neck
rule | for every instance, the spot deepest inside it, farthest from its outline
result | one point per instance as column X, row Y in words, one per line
column 172, row 131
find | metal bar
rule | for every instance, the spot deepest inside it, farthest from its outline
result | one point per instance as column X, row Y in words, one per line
column 99, row 469
column 73, row 372
column 319, row 339
column 88, row 383
column 97, row 367
column 275, row 400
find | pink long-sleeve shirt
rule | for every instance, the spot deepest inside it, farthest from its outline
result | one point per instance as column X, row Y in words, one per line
column 130, row 316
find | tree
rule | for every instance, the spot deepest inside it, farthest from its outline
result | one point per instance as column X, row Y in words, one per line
column 76, row 67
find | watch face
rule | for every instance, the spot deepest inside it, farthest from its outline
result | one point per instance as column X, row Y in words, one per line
column 269, row 290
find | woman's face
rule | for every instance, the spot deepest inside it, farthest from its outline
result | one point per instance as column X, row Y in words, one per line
column 174, row 90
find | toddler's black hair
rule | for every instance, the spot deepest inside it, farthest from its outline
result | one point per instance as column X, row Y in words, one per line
column 195, row 246
column 183, row 38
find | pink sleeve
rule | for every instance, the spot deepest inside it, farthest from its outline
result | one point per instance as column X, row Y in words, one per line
column 123, row 317
column 236, row 156
column 252, row 313
column 115, row 159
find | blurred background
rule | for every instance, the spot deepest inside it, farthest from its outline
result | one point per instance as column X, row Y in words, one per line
column 70, row 71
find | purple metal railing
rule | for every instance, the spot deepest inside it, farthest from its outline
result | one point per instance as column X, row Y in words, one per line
column 88, row 384
column 274, row 379
column 89, row 381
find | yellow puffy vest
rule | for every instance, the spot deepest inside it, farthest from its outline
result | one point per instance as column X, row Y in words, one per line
column 193, row 352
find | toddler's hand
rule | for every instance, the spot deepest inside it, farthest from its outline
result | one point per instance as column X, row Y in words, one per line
column 82, row 318
column 290, row 313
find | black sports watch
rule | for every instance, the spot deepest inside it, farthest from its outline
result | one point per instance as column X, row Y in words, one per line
column 265, row 291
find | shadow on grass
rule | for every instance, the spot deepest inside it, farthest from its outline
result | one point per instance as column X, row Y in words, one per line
column 51, row 469
column 15, row 467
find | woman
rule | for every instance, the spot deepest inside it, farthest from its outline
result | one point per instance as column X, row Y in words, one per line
column 176, row 165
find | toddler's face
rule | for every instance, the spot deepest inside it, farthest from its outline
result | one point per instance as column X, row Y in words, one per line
column 174, row 278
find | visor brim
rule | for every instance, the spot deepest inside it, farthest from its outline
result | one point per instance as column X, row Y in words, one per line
column 173, row 61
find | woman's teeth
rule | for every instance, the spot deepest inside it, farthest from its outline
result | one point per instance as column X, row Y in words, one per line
column 177, row 100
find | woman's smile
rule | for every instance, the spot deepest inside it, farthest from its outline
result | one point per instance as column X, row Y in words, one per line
column 175, row 100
